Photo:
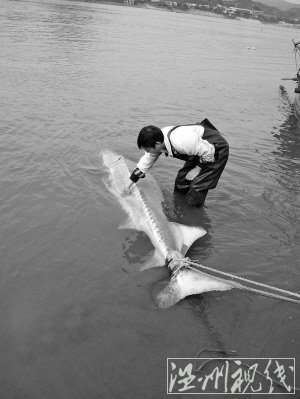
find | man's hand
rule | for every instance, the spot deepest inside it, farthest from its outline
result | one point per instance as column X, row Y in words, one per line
column 127, row 189
column 193, row 173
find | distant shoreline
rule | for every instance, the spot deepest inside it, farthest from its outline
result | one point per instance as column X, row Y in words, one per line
column 153, row 7
column 191, row 12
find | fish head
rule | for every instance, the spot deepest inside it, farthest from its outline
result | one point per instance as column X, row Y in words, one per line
column 109, row 158
column 118, row 172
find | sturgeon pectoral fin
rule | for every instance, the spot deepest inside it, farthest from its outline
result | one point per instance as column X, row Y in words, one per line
column 189, row 282
column 128, row 224
column 186, row 235
column 156, row 260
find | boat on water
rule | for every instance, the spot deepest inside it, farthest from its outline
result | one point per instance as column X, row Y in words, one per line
column 297, row 78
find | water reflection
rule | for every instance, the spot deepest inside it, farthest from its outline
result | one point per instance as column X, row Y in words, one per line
column 288, row 146
column 288, row 133
column 68, row 22
column 202, row 310
column 287, row 151
column 136, row 246
column 68, row 13
column 283, row 164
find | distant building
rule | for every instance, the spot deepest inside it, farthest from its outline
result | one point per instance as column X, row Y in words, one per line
column 244, row 11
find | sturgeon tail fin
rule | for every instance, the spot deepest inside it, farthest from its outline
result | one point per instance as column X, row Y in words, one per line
column 169, row 295
column 189, row 282
column 186, row 235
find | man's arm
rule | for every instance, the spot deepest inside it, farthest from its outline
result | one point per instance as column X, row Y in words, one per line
column 145, row 163
column 206, row 151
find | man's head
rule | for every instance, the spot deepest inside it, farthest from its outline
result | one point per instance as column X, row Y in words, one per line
column 151, row 139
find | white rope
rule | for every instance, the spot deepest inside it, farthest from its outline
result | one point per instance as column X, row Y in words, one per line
column 269, row 294
column 188, row 263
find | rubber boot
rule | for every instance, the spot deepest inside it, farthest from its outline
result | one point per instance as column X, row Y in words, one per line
column 196, row 198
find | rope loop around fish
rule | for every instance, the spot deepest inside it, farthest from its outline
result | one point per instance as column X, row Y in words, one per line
column 198, row 267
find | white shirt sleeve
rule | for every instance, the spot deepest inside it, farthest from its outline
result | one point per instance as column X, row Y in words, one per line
column 188, row 140
column 147, row 161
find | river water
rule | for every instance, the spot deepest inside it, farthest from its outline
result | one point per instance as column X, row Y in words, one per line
column 77, row 315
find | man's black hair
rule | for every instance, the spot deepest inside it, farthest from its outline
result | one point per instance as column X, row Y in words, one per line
column 149, row 136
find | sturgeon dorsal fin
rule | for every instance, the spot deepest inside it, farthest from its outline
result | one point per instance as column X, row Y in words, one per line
column 185, row 235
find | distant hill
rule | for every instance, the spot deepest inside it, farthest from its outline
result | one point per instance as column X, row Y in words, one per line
column 280, row 4
column 271, row 8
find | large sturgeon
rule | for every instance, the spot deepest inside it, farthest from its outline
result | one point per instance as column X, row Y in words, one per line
column 145, row 213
